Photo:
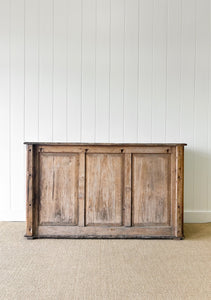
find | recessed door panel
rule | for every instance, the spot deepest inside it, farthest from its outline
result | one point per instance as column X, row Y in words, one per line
column 104, row 177
column 58, row 189
column 151, row 189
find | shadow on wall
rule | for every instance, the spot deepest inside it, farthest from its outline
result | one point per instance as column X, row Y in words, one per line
column 197, row 174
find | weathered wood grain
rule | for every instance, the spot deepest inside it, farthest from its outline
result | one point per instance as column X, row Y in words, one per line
column 104, row 231
column 107, row 144
column 127, row 189
column 58, row 189
column 179, row 190
column 104, row 189
column 172, row 210
column 104, row 148
column 81, row 189
column 29, row 192
column 151, row 189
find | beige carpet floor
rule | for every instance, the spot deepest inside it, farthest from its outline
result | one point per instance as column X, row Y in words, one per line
column 105, row 269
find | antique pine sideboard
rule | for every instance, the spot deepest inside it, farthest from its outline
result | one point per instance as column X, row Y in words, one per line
column 77, row 190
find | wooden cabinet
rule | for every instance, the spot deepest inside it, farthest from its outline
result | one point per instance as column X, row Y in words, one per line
column 104, row 190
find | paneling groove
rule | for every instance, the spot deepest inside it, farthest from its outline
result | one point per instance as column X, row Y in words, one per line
column 159, row 71
column 74, row 70
column 88, row 70
column 131, row 70
column 17, row 151
column 5, row 104
column 31, row 69
column 102, row 71
column 116, row 71
column 209, row 126
column 60, row 71
column 201, row 104
column 45, row 70
column 105, row 71
column 146, row 33
column 187, row 94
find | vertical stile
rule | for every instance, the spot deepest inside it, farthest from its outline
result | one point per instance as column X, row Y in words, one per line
column 36, row 189
column 179, row 190
column 127, row 190
column 173, row 205
column 29, row 192
column 81, row 194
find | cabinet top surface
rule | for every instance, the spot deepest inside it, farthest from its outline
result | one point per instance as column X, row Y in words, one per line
column 107, row 144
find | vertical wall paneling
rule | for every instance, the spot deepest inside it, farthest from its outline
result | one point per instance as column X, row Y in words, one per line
column 45, row 70
column 60, row 70
column 5, row 105
column 88, row 70
column 159, row 70
column 102, row 70
column 16, row 105
column 187, row 94
column 209, row 126
column 31, row 70
column 173, row 76
column 74, row 70
column 146, row 21
column 201, row 104
column 131, row 70
column 105, row 71
column 117, row 70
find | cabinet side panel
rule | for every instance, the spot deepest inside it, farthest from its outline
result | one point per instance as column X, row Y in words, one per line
column 179, row 190
column 58, row 189
column 29, row 192
column 104, row 189
column 151, row 189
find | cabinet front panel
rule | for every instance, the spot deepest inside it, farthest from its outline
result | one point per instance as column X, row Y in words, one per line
column 151, row 189
column 58, row 182
column 104, row 186
column 108, row 191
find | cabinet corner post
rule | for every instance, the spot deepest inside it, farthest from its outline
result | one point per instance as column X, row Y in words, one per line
column 29, row 191
column 179, row 191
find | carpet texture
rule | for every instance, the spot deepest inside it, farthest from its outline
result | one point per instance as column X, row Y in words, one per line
column 105, row 269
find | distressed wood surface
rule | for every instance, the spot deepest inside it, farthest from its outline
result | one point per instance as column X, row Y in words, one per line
column 107, row 144
column 111, row 231
column 127, row 190
column 58, row 189
column 179, row 190
column 151, row 189
column 29, row 192
column 81, row 189
column 173, row 211
column 124, row 148
column 105, row 190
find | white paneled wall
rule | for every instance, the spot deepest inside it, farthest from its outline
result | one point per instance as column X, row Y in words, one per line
column 105, row 71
